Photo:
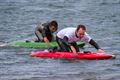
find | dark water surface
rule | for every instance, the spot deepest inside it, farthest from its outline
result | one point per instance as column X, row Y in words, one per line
column 18, row 19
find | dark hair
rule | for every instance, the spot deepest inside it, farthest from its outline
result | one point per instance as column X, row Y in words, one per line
column 54, row 23
column 81, row 26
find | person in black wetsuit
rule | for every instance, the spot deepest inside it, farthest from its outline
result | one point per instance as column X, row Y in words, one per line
column 44, row 31
column 67, row 38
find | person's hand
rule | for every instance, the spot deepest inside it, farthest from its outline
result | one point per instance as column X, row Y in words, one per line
column 100, row 51
column 73, row 50
column 46, row 40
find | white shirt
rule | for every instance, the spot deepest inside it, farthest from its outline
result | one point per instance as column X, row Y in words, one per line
column 70, row 33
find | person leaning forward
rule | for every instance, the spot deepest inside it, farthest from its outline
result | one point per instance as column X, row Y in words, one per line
column 67, row 38
column 44, row 31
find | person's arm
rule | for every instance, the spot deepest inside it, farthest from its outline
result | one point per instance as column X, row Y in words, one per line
column 65, row 40
column 45, row 39
column 93, row 43
column 71, row 47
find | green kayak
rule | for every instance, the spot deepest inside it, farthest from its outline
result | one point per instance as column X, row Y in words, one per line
column 31, row 44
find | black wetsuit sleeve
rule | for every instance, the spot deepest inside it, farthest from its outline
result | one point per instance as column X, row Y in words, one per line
column 45, row 30
column 44, row 33
column 93, row 43
column 65, row 40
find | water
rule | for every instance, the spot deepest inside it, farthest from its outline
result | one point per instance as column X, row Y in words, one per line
column 18, row 18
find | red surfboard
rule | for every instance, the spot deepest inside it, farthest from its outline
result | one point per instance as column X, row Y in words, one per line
column 69, row 55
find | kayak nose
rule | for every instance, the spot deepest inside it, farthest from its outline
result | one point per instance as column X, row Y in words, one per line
column 32, row 54
column 113, row 56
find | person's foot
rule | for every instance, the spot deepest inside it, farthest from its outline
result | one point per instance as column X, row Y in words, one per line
column 27, row 41
column 36, row 40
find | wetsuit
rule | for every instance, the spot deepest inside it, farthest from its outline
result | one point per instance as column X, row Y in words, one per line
column 67, row 37
column 42, row 30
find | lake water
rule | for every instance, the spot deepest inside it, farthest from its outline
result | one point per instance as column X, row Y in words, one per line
column 18, row 19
